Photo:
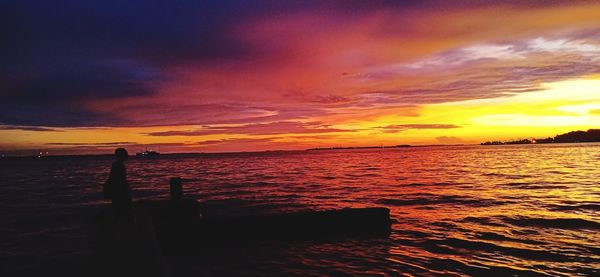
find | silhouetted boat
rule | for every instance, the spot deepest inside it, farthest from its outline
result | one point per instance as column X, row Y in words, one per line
column 147, row 153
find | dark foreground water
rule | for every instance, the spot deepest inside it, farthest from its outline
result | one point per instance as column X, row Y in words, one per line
column 473, row 210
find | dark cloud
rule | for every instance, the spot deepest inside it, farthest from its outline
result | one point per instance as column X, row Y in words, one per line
column 53, row 91
column 30, row 128
column 57, row 56
column 283, row 127
column 153, row 31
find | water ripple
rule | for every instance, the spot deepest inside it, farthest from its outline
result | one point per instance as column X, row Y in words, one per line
column 511, row 210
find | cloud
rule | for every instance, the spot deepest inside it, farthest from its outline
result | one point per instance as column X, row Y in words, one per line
column 237, row 62
column 395, row 128
column 163, row 34
column 97, row 144
column 248, row 144
column 490, row 70
column 330, row 99
column 235, row 141
column 30, row 128
column 54, row 93
column 282, row 127
column 60, row 58
column 450, row 140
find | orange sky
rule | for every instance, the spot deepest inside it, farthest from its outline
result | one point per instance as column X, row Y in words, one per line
column 324, row 76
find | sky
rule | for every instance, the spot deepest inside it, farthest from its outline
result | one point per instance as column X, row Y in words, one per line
column 217, row 76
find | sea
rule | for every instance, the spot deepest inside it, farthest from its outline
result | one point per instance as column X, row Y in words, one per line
column 508, row 210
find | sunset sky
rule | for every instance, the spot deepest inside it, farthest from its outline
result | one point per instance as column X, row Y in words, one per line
column 212, row 76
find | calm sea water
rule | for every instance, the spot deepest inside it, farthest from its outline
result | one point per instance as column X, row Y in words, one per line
column 472, row 210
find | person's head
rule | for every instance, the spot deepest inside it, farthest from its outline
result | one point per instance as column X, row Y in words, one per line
column 121, row 154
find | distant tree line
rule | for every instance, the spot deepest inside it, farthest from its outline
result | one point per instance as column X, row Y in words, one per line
column 591, row 135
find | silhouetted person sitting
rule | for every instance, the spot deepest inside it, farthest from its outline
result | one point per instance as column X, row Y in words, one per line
column 117, row 187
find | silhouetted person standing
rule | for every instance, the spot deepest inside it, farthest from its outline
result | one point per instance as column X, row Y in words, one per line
column 117, row 185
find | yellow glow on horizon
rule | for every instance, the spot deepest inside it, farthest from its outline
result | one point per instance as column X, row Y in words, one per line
column 556, row 108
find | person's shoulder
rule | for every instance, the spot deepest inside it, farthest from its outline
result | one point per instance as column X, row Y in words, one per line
column 117, row 164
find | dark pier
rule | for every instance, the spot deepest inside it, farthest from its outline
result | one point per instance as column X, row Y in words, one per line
column 137, row 245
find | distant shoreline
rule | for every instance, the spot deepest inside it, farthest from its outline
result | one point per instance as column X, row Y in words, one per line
column 192, row 154
column 591, row 135
column 189, row 154
column 383, row 146
column 359, row 147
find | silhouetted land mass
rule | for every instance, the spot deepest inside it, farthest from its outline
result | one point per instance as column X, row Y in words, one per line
column 384, row 146
column 360, row 147
column 591, row 135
